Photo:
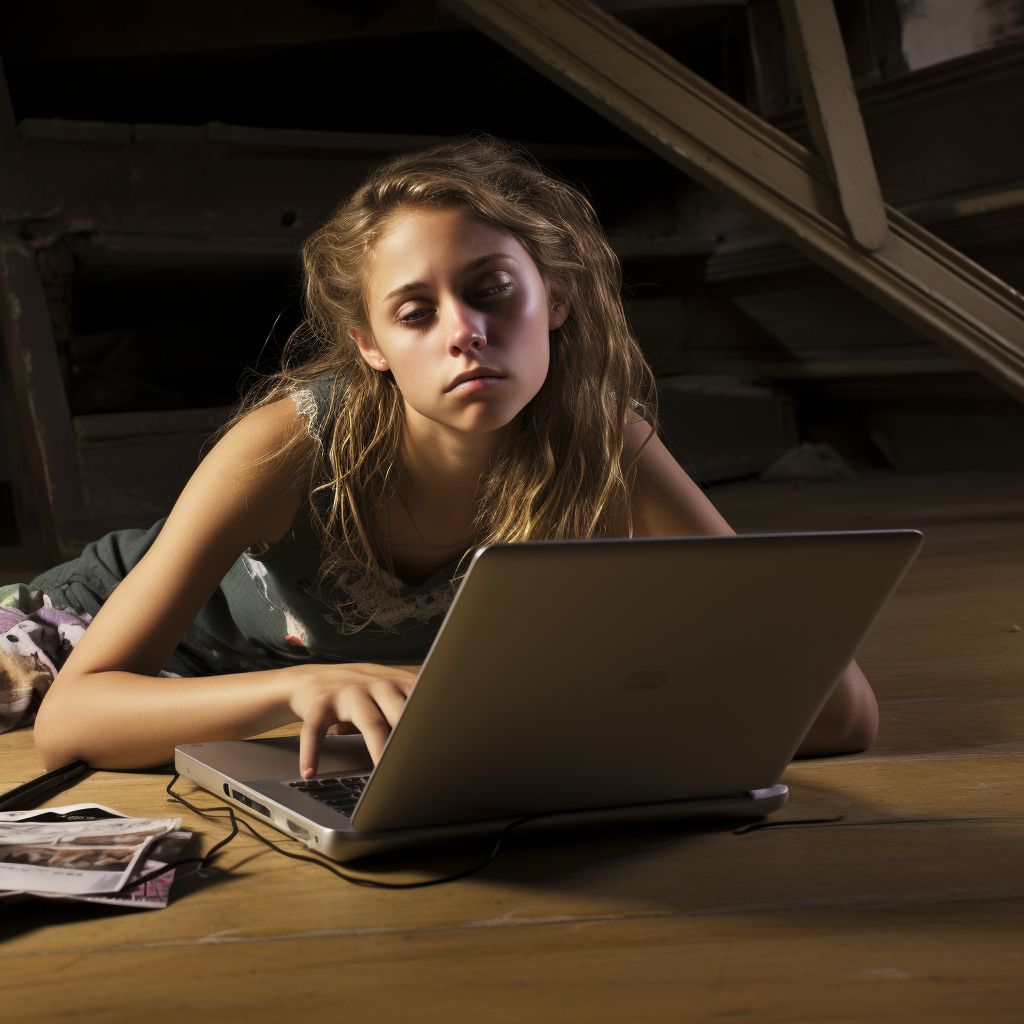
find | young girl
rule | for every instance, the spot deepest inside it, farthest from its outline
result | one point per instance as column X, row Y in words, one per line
column 464, row 374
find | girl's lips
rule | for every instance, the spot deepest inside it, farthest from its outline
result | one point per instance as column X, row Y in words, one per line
column 475, row 384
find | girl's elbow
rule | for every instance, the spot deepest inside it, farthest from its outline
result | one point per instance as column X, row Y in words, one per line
column 847, row 724
column 861, row 719
column 863, row 731
column 856, row 733
column 55, row 742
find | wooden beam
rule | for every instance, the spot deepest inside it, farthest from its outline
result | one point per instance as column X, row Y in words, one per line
column 33, row 368
column 727, row 148
column 40, row 400
column 833, row 116
column 211, row 188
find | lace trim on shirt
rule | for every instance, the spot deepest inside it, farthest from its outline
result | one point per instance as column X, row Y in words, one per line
column 305, row 406
column 372, row 595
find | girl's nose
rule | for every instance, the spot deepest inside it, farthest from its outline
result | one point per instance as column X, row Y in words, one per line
column 467, row 330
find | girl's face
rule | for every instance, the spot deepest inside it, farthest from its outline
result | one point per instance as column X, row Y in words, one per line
column 460, row 315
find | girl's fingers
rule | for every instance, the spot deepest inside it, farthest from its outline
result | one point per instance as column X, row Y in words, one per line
column 311, row 741
column 371, row 709
column 368, row 718
column 404, row 680
column 342, row 729
column 391, row 701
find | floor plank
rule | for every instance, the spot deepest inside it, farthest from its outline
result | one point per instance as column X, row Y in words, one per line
column 956, row 963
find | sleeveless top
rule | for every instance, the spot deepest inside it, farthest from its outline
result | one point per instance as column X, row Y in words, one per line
column 265, row 613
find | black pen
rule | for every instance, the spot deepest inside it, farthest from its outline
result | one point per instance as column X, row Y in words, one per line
column 31, row 794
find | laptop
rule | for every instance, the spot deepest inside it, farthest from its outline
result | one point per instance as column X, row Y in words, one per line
column 588, row 682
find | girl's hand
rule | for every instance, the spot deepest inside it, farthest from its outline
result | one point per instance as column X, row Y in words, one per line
column 347, row 698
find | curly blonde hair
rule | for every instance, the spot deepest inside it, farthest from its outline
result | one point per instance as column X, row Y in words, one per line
column 561, row 476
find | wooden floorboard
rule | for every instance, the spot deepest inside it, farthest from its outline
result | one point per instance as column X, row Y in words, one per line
column 941, row 963
column 906, row 903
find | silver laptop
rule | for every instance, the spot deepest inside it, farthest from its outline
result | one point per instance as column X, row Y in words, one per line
column 590, row 681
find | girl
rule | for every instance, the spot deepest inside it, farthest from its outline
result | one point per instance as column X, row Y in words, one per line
column 464, row 373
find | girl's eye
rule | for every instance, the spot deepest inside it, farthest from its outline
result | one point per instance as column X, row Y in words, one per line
column 495, row 289
column 414, row 315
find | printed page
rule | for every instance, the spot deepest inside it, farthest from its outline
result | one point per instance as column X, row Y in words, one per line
column 73, row 857
column 151, row 895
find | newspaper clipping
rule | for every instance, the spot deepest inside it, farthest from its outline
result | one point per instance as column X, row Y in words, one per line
column 86, row 851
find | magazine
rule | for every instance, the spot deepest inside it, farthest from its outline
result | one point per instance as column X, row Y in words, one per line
column 151, row 895
column 79, row 850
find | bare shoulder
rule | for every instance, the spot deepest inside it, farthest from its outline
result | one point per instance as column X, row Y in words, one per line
column 258, row 471
column 635, row 434
column 664, row 501
column 257, row 439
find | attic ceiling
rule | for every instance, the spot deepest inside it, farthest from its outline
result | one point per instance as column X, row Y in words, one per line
column 396, row 67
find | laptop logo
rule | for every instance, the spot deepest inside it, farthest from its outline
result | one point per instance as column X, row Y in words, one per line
column 645, row 681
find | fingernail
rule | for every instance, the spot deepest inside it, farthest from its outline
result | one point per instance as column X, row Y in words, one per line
column 307, row 773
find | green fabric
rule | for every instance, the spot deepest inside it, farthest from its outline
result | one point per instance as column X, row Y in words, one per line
column 265, row 613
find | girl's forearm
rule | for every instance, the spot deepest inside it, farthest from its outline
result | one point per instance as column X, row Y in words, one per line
column 126, row 720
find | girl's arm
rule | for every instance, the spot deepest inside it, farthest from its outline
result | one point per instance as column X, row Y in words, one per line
column 667, row 503
column 107, row 705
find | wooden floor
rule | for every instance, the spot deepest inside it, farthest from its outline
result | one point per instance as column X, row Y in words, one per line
column 909, row 909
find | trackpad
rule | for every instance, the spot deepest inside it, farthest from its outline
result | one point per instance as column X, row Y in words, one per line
column 278, row 756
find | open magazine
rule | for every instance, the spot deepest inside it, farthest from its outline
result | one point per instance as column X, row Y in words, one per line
column 88, row 852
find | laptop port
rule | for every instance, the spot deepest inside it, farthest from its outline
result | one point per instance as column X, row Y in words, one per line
column 249, row 802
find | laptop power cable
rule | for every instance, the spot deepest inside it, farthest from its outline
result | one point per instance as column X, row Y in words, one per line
column 205, row 863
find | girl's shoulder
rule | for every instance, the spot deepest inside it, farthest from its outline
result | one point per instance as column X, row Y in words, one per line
column 256, row 476
column 636, row 434
column 262, row 432
column 266, row 458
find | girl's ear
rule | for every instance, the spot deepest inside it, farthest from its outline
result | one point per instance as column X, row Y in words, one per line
column 368, row 350
column 558, row 311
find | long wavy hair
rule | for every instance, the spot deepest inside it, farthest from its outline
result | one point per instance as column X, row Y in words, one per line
column 562, row 475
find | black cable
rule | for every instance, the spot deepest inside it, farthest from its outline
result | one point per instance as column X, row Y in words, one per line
column 203, row 862
column 820, row 822
column 369, row 883
column 754, row 826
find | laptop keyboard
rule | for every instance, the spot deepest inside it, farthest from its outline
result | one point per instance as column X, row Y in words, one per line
column 340, row 795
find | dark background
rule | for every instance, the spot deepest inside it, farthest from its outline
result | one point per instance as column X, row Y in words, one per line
column 163, row 331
